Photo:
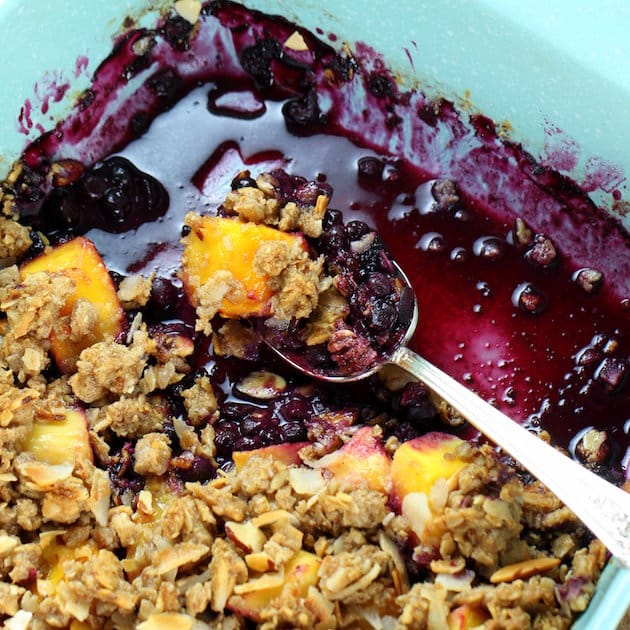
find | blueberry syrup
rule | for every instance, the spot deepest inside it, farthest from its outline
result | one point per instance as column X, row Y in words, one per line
column 534, row 318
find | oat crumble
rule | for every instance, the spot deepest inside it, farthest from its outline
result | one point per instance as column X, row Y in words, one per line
column 102, row 526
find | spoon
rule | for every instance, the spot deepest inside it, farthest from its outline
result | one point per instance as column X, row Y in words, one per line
column 601, row 506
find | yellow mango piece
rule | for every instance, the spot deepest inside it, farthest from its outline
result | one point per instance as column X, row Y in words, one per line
column 419, row 463
column 79, row 260
column 57, row 442
column 299, row 574
column 216, row 244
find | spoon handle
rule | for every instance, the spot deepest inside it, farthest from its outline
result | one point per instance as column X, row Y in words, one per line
column 601, row 506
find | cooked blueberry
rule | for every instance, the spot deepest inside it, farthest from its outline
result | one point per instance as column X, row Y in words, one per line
column 243, row 180
column 370, row 169
column 490, row 248
column 176, row 31
column 256, row 60
column 332, row 217
column 301, row 114
column 356, row 229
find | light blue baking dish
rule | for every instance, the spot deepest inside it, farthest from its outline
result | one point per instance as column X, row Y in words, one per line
column 558, row 72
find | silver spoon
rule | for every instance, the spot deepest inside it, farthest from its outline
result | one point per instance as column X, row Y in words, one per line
column 601, row 506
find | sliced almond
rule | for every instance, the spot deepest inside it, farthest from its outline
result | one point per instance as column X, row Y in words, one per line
column 457, row 583
column 145, row 502
column 449, row 567
column 296, row 42
column 306, row 481
column 167, row 621
column 7, row 544
column 179, row 555
column 268, row 518
column 399, row 574
column 100, row 495
column 188, row 9
column 260, row 562
column 271, row 580
column 415, row 508
column 247, row 536
column 45, row 475
column 524, row 569
column 20, row 621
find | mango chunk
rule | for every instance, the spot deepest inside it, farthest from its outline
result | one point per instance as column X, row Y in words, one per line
column 218, row 244
column 58, row 442
column 300, row 573
column 419, row 463
column 361, row 459
column 80, row 261
column 287, row 453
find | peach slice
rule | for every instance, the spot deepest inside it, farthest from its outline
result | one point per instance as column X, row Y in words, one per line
column 218, row 243
column 361, row 459
column 300, row 573
column 58, row 442
column 287, row 453
column 419, row 463
column 79, row 260
column 466, row 616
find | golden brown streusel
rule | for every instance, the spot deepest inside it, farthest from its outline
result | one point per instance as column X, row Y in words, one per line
column 280, row 544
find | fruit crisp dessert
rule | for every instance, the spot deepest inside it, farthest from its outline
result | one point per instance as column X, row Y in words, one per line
column 161, row 468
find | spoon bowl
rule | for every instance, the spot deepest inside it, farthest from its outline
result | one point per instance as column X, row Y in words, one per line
column 601, row 506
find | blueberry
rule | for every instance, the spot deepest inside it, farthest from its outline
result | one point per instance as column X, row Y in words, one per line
column 256, row 60
column 370, row 169
column 302, row 113
column 332, row 217
column 383, row 315
column 294, row 431
column 356, row 229
column 176, row 31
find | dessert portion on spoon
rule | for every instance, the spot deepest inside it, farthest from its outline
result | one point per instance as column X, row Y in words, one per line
column 328, row 299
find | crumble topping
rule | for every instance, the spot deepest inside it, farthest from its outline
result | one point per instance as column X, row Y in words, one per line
column 117, row 507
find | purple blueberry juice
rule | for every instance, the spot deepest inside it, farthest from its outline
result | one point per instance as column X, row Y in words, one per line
column 523, row 283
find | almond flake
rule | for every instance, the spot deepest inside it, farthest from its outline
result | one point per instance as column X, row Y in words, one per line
column 399, row 574
column 179, row 555
column 296, row 42
column 247, row 536
column 260, row 562
column 45, row 475
column 523, row 570
column 306, row 481
column 273, row 580
column 268, row 518
column 100, row 495
column 20, row 621
column 7, row 544
column 190, row 10
column 457, row 583
column 167, row 621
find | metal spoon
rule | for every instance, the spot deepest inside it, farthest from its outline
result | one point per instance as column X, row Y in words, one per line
column 601, row 506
